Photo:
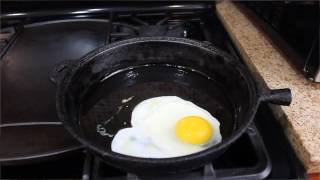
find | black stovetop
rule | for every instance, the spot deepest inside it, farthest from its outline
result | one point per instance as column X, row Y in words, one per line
column 34, row 143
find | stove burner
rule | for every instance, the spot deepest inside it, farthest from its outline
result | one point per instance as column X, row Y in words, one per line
column 122, row 31
column 162, row 30
column 163, row 27
column 232, row 164
column 5, row 38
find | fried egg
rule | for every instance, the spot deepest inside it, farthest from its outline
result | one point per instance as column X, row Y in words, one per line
column 167, row 126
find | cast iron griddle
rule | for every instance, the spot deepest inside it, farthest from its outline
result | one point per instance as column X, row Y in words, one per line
column 29, row 124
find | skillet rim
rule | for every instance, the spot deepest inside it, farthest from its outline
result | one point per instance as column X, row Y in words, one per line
column 63, row 83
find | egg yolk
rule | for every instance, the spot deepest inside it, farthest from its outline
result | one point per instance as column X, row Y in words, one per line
column 194, row 130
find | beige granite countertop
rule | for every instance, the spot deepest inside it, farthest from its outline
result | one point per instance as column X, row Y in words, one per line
column 300, row 120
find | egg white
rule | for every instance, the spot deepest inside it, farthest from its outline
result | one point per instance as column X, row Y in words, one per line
column 153, row 129
column 130, row 141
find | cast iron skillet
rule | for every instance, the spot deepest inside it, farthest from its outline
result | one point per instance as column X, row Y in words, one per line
column 91, row 91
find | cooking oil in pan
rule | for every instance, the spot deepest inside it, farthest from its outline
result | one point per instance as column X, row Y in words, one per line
column 109, row 105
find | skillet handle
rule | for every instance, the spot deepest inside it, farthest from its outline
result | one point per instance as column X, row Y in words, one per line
column 59, row 70
column 277, row 96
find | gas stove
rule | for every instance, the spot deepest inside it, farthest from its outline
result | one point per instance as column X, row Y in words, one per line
column 36, row 40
